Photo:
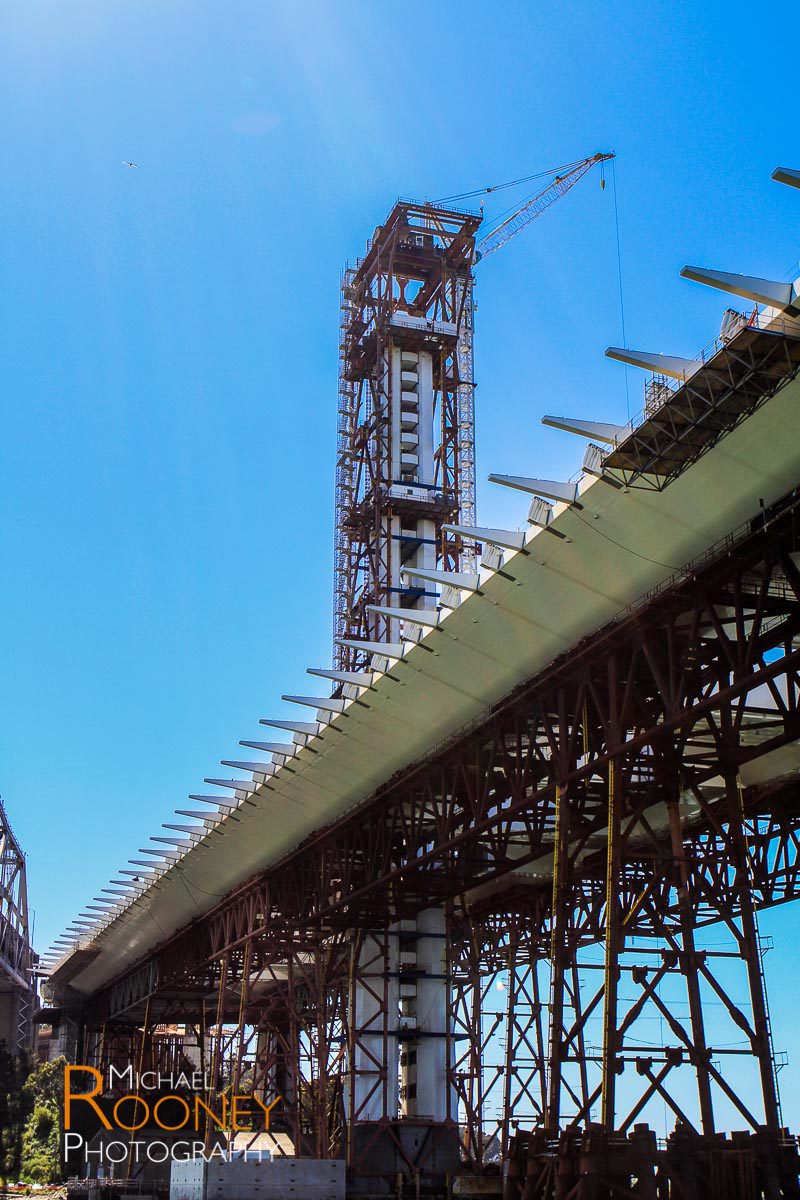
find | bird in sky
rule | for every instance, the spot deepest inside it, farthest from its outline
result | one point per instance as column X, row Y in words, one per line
column 131, row 164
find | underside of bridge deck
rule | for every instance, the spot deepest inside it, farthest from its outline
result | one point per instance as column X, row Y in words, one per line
column 551, row 925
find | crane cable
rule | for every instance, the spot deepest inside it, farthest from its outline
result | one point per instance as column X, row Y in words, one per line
column 619, row 278
column 558, row 187
column 557, row 172
column 564, row 169
column 520, row 205
column 499, row 187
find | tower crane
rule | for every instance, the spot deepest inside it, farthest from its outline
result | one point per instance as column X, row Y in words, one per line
column 532, row 208
column 560, row 180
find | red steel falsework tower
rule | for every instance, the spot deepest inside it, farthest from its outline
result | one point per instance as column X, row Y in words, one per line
column 405, row 462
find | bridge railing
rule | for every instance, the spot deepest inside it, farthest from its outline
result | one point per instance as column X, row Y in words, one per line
column 659, row 388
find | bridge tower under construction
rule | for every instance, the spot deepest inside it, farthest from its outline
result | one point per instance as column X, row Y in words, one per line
column 405, row 456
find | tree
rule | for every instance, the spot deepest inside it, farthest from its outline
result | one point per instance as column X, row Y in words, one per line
column 14, row 1070
column 42, row 1133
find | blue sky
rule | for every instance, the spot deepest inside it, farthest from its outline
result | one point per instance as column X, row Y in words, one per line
column 169, row 334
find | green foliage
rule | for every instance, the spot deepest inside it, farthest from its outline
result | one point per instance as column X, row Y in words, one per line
column 42, row 1135
column 31, row 1115
column 41, row 1145
column 13, row 1111
column 45, row 1084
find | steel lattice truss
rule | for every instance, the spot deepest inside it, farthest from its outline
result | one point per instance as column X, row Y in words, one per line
column 16, row 956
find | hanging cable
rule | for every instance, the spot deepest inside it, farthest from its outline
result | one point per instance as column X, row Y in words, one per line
column 644, row 557
column 619, row 279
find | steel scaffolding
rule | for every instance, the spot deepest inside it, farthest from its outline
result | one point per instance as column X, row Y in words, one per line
column 612, row 815
column 405, row 451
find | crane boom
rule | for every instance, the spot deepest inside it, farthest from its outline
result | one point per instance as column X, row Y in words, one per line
column 533, row 208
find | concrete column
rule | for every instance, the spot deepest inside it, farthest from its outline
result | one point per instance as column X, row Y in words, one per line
column 8, row 1018
column 374, row 1014
column 416, row 434
column 65, row 1037
column 425, row 394
column 425, row 1018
